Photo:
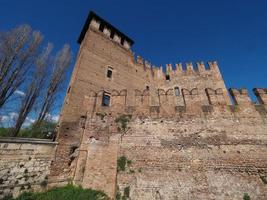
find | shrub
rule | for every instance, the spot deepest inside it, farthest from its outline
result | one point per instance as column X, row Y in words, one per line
column 246, row 196
column 121, row 163
column 126, row 191
column 69, row 192
column 122, row 121
column 4, row 132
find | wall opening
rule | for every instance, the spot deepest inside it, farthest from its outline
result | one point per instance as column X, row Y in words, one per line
column 109, row 72
column 168, row 77
column 106, row 100
column 177, row 91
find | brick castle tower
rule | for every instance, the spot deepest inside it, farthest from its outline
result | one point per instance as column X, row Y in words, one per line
column 172, row 134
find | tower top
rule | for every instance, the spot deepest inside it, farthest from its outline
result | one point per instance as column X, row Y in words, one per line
column 103, row 23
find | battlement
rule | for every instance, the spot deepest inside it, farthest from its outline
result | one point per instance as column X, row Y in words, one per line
column 99, row 24
column 179, row 69
column 261, row 94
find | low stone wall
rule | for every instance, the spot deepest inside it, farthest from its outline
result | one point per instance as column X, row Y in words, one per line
column 24, row 164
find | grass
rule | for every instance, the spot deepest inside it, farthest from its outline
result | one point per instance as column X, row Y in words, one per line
column 69, row 192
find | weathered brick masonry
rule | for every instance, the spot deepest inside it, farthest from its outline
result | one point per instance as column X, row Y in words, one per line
column 185, row 139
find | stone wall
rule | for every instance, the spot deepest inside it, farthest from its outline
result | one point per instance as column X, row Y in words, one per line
column 195, row 159
column 215, row 154
column 24, row 164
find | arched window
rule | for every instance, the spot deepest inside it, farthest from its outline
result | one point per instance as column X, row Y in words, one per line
column 106, row 100
column 109, row 72
column 177, row 91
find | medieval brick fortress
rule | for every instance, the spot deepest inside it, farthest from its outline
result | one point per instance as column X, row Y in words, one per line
column 136, row 131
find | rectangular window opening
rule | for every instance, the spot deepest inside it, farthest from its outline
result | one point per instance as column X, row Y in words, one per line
column 168, row 77
column 109, row 72
column 177, row 91
column 106, row 100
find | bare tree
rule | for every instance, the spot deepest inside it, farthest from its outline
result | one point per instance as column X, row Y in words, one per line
column 34, row 88
column 60, row 65
column 18, row 50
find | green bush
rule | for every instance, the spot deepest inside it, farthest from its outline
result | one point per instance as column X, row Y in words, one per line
column 122, row 122
column 126, row 192
column 4, row 132
column 69, row 192
column 33, row 131
column 121, row 163
column 246, row 196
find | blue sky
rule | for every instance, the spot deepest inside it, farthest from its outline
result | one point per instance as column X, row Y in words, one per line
column 233, row 32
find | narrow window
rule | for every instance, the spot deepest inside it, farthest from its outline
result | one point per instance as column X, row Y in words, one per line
column 109, row 72
column 167, row 77
column 106, row 100
column 177, row 91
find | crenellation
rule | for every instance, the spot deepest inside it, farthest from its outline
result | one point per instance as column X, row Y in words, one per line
column 147, row 65
column 117, row 38
column 95, row 24
column 107, row 31
column 240, row 96
column 189, row 68
column 201, row 67
column 159, row 73
column 261, row 94
column 126, row 44
column 179, row 68
column 169, row 69
column 140, row 60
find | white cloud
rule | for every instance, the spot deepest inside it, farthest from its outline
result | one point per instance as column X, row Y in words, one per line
column 13, row 115
column 4, row 118
column 28, row 121
column 20, row 93
column 54, row 118
column 8, row 119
